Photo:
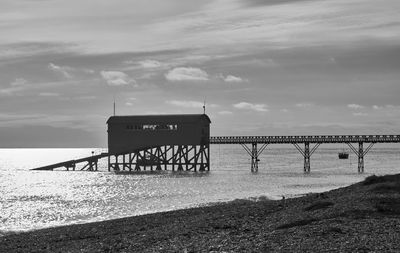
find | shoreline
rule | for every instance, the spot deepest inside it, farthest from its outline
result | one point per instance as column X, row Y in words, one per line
column 361, row 217
column 201, row 205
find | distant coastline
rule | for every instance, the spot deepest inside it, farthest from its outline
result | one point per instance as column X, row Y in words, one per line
column 362, row 217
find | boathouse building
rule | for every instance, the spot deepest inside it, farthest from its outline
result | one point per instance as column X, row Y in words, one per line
column 130, row 133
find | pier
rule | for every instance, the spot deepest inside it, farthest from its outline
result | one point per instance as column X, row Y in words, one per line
column 315, row 141
column 197, row 158
column 181, row 142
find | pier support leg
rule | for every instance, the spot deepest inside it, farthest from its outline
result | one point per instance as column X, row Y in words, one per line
column 116, row 168
column 173, row 158
column 130, row 161
column 360, row 158
column 307, row 154
column 307, row 157
column 201, row 159
column 254, row 157
column 254, row 154
column 123, row 162
column 361, row 153
column 208, row 157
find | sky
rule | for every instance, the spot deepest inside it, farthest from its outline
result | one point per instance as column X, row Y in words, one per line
column 263, row 67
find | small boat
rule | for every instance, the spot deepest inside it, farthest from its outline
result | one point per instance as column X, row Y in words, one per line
column 343, row 155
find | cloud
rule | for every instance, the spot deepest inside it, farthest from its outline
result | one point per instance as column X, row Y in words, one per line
column 88, row 71
column 186, row 74
column 189, row 103
column 21, row 87
column 86, row 97
column 355, row 106
column 19, row 82
column 385, row 107
column 186, row 103
column 231, row 79
column 392, row 106
column 203, row 24
column 18, row 85
column 225, row 113
column 150, row 64
column 10, row 91
column 148, row 75
column 22, row 49
column 260, row 3
column 117, row 78
column 49, row 94
column 130, row 101
column 360, row 114
column 303, row 105
column 265, row 63
column 60, row 69
column 250, row 106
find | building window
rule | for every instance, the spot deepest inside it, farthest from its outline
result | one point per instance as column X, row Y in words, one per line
column 153, row 127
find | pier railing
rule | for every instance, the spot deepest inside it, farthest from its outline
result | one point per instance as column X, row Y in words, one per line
column 304, row 139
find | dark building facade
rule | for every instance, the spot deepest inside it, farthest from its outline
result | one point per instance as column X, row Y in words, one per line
column 129, row 133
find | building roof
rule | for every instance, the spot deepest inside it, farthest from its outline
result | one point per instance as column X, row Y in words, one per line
column 173, row 118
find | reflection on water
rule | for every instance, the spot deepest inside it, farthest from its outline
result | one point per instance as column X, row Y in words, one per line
column 36, row 199
column 163, row 173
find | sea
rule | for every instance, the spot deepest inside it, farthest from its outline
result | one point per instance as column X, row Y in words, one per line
column 32, row 200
